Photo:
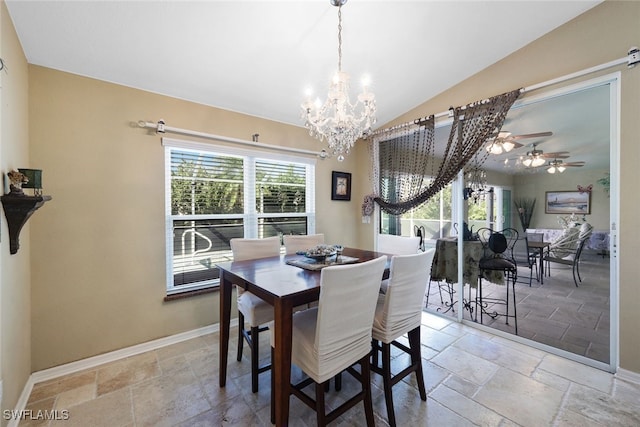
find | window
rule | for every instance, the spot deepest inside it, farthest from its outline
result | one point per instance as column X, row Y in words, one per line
column 434, row 215
column 437, row 214
column 214, row 194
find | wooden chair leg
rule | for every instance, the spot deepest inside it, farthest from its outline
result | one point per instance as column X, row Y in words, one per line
column 375, row 346
column 240, row 335
column 255, row 339
column 366, row 388
column 416, row 360
column 320, row 415
column 388, row 385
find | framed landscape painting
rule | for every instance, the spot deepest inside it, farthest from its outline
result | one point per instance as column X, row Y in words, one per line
column 567, row 202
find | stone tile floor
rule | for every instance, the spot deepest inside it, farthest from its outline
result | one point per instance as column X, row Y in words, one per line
column 472, row 378
column 556, row 313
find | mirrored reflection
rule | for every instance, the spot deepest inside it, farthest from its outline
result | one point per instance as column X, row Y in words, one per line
column 561, row 295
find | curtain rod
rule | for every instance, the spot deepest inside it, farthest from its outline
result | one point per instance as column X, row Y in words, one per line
column 160, row 127
column 631, row 60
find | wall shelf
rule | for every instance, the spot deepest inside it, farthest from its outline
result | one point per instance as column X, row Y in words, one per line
column 18, row 209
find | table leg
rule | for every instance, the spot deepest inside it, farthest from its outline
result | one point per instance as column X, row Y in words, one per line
column 541, row 269
column 226, row 289
column 281, row 365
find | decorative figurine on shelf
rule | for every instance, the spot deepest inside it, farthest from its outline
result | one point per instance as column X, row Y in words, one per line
column 16, row 180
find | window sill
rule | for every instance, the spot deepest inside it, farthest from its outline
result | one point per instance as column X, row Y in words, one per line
column 191, row 293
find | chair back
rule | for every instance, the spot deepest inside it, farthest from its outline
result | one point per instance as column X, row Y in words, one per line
column 348, row 296
column 401, row 311
column 301, row 242
column 498, row 244
column 532, row 253
column 535, row 237
column 585, row 232
column 580, row 248
column 398, row 245
column 584, row 235
column 244, row 249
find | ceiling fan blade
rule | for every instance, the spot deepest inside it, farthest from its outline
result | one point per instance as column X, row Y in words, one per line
column 531, row 135
column 515, row 144
column 573, row 164
column 556, row 155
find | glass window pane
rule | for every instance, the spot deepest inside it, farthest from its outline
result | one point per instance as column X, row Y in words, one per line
column 268, row 227
column 434, row 215
column 199, row 245
column 280, row 187
column 205, row 183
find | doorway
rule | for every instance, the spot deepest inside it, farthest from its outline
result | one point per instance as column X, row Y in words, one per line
column 577, row 322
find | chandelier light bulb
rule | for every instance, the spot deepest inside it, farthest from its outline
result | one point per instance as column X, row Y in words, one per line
column 552, row 169
column 561, row 169
column 527, row 162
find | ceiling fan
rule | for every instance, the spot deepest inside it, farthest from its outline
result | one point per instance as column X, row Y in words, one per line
column 504, row 142
column 556, row 165
column 536, row 158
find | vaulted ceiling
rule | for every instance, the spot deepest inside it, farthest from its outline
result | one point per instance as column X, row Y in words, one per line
column 258, row 57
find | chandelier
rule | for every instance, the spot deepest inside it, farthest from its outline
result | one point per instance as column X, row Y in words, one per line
column 339, row 122
column 476, row 184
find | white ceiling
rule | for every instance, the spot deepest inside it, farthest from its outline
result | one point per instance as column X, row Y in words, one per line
column 258, row 57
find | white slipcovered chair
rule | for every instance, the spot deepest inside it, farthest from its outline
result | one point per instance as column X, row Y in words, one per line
column 252, row 309
column 396, row 245
column 399, row 312
column 336, row 334
column 301, row 242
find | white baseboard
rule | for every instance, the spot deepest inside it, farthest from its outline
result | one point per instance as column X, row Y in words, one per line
column 92, row 362
column 630, row 376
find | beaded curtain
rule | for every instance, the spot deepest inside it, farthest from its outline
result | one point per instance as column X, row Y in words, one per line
column 406, row 172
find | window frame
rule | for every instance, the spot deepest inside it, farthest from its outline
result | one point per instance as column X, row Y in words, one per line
column 250, row 217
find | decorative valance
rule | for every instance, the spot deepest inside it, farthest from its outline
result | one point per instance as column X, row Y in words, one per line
column 407, row 171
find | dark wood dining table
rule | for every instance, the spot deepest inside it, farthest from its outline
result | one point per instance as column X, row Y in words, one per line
column 284, row 287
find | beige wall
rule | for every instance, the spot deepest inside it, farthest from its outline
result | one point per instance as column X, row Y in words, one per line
column 98, row 247
column 15, row 291
column 600, row 35
column 536, row 186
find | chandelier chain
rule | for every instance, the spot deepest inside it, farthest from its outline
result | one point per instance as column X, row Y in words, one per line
column 340, row 37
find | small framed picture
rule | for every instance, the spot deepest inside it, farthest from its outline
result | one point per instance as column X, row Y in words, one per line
column 340, row 186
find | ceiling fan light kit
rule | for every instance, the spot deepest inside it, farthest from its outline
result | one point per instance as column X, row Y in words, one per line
column 504, row 142
column 553, row 169
column 533, row 162
column 560, row 166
